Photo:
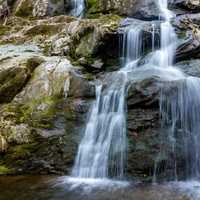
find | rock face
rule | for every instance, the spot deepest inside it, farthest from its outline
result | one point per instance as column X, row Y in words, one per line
column 188, row 29
column 40, row 8
column 131, row 8
column 46, row 102
column 189, row 5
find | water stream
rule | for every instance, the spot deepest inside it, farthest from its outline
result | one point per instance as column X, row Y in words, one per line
column 78, row 7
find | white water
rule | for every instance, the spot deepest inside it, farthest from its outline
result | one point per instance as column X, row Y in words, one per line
column 78, row 8
column 179, row 107
column 132, row 44
column 102, row 151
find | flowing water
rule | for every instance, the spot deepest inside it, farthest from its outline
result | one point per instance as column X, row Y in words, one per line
column 78, row 7
column 179, row 108
column 102, row 151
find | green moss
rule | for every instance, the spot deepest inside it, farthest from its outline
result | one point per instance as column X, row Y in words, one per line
column 4, row 30
column 25, row 9
column 5, row 170
column 93, row 8
column 39, row 118
column 21, row 151
column 44, row 29
column 92, row 4
column 85, row 48
column 46, row 50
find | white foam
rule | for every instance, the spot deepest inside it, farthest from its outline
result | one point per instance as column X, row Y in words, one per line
column 87, row 184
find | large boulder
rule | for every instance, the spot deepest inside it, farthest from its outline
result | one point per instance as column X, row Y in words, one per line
column 187, row 27
column 190, row 67
column 15, row 70
column 133, row 8
column 150, row 153
column 188, row 5
column 190, row 47
column 40, row 126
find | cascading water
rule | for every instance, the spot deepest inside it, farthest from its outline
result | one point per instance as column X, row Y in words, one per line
column 102, row 151
column 179, row 109
column 103, row 147
column 78, row 7
column 180, row 114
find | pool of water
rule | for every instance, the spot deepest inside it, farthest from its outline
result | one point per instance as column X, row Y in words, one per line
column 66, row 188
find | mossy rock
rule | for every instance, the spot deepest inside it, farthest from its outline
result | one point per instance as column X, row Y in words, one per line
column 13, row 79
column 24, row 8
column 92, row 7
column 22, row 151
column 44, row 29
column 36, row 113
column 4, row 30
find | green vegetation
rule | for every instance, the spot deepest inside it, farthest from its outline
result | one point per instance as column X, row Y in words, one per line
column 5, row 170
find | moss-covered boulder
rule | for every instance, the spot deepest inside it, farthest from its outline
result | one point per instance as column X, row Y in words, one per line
column 24, row 8
column 133, row 8
column 15, row 73
column 39, row 127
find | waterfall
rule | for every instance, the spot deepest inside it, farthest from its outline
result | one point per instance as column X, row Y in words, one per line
column 132, row 44
column 102, row 151
column 179, row 108
column 78, row 7
column 132, row 47
column 181, row 116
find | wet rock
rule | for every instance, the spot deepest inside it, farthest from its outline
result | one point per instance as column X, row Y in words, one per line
column 186, row 22
column 190, row 48
column 149, row 144
column 187, row 27
column 190, row 67
column 189, row 5
column 143, row 127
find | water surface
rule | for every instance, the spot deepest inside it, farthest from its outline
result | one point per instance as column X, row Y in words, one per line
column 66, row 188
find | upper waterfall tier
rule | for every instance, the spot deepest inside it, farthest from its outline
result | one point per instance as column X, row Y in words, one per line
column 78, row 7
